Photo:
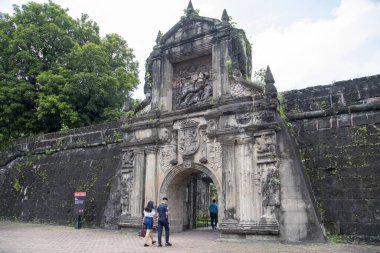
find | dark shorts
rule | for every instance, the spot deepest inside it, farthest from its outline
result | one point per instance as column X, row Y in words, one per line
column 148, row 222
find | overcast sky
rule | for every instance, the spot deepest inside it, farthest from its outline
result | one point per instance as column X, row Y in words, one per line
column 305, row 42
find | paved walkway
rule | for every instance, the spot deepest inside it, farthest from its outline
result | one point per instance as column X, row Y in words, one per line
column 29, row 238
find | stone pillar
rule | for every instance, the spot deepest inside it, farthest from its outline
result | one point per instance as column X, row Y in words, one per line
column 257, row 197
column 138, row 189
column 165, row 103
column 221, row 67
column 245, row 174
column 132, row 191
column 227, row 67
column 267, row 183
column 229, row 179
column 151, row 175
column 156, row 86
column 216, row 69
column 126, row 182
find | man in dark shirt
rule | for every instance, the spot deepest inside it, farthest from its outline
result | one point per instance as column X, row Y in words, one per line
column 213, row 208
column 163, row 214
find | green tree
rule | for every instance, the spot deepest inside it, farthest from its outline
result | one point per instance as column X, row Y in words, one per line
column 259, row 75
column 57, row 72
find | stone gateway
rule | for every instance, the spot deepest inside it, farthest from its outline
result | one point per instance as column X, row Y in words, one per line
column 205, row 131
column 202, row 116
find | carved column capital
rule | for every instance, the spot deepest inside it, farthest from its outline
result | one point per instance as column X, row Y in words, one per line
column 244, row 140
column 151, row 150
column 138, row 151
column 227, row 142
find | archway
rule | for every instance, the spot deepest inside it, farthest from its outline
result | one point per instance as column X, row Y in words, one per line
column 187, row 191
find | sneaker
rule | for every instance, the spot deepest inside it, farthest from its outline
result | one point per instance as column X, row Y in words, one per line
column 168, row 244
column 146, row 245
column 159, row 245
column 153, row 242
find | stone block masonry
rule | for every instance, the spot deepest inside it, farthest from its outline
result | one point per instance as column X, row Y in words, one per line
column 337, row 128
column 202, row 117
column 39, row 175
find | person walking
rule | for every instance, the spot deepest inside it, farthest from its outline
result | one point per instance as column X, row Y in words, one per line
column 213, row 208
column 163, row 221
column 149, row 214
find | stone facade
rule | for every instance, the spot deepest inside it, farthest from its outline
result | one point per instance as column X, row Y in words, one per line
column 202, row 116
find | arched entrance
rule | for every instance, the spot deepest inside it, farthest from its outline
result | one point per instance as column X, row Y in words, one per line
column 188, row 190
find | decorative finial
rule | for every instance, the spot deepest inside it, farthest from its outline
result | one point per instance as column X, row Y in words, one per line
column 159, row 36
column 190, row 9
column 268, row 76
column 225, row 17
column 269, row 88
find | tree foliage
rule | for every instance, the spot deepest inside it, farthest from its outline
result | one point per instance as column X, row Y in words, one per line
column 57, row 72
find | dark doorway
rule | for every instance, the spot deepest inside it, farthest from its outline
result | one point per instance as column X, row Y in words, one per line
column 190, row 194
column 203, row 192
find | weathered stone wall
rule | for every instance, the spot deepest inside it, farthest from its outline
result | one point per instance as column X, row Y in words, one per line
column 337, row 128
column 38, row 176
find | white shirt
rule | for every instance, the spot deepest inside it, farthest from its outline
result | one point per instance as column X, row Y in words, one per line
column 149, row 214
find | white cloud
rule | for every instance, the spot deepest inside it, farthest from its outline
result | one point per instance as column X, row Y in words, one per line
column 304, row 42
column 308, row 53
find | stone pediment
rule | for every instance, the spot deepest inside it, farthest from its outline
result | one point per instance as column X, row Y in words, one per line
column 189, row 27
column 192, row 63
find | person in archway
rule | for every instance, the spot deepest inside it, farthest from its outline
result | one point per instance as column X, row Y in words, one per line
column 213, row 208
column 163, row 221
column 149, row 214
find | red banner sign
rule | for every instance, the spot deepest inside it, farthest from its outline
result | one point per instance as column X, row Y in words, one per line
column 80, row 194
column 79, row 198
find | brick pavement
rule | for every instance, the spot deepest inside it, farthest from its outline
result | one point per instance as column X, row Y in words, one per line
column 29, row 238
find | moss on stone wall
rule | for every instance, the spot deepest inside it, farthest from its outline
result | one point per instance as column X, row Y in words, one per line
column 39, row 183
column 340, row 152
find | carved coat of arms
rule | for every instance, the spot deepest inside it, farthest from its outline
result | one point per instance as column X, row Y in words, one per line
column 188, row 141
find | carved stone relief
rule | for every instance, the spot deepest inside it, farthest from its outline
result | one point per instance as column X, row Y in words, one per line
column 265, row 146
column 190, row 28
column 215, row 155
column 270, row 190
column 164, row 135
column 212, row 125
column 269, row 175
column 128, row 159
column 126, row 181
column 188, row 139
column 192, row 82
column 246, row 119
column 187, row 162
column 126, row 188
column 243, row 119
column 166, row 156
column 239, row 90
column 203, row 145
